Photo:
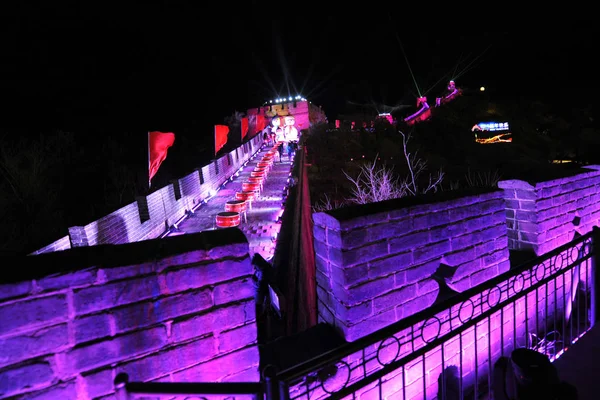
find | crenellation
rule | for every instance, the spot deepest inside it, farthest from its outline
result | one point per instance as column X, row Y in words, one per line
column 150, row 216
column 128, row 321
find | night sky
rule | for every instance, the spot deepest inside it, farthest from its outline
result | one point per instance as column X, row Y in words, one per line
column 176, row 66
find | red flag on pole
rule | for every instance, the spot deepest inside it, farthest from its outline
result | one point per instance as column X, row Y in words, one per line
column 221, row 132
column 244, row 127
column 158, row 145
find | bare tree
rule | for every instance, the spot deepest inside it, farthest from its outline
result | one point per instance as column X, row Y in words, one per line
column 326, row 203
column 416, row 167
column 375, row 183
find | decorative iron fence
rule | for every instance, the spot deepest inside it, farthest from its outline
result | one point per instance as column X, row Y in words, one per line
column 448, row 350
column 445, row 351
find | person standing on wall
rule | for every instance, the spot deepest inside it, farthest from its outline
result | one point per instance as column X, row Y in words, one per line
column 277, row 131
column 291, row 134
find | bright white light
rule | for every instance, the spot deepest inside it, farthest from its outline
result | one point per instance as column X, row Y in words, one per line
column 289, row 98
column 482, row 89
column 211, row 193
column 270, row 101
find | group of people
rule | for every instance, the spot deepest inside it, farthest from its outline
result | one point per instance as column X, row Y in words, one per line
column 287, row 136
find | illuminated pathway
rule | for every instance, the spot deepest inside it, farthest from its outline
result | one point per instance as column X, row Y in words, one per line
column 262, row 227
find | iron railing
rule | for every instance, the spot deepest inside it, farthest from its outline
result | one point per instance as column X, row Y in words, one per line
column 445, row 351
column 125, row 390
column 453, row 345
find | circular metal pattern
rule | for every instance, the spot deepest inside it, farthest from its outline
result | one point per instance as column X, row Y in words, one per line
column 345, row 379
column 585, row 249
column 386, row 350
column 574, row 253
column 469, row 304
column 559, row 261
column 540, row 272
column 492, row 298
column 435, row 321
column 517, row 283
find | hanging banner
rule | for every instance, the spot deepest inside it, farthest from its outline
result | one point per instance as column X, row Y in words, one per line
column 221, row 133
column 261, row 123
column 244, row 127
column 158, row 145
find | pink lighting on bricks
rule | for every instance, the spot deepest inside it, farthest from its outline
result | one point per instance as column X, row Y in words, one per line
column 374, row 269
column 461, row 339
column 179, row 308
column 544, row 215
column 146, row 217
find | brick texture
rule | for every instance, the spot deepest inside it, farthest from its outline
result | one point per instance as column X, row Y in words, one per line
column 180, row 307
column 376, row 267
column 149, row 217
column 544, row 215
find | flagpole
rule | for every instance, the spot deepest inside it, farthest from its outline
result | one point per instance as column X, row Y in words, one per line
column 149, row 178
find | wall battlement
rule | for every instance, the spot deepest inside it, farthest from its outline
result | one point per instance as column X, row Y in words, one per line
column 180, row 308
column 150, row 216
column 380, row 263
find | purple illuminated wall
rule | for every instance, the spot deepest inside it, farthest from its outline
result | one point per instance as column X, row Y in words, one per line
column 375, row 263
column 148, row 217
column 176, row 309
column 542, row 216
column 472, row 352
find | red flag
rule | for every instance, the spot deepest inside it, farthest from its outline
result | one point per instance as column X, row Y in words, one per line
column 244, row 127
column 158, row 145
column 260, row 123
column 221, row 132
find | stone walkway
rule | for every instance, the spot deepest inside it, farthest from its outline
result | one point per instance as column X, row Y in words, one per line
column 262, row 227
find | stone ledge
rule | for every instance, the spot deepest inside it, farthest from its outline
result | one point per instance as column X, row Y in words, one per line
column 24, row 268
column 355, row 211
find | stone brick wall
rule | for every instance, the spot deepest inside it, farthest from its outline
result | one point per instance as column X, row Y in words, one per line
column 150, row 216
column 544, row 215
column 173, row 309
column 375, row 263
column 63, row 243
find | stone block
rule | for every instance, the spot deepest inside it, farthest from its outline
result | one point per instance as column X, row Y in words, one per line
column 32, row 312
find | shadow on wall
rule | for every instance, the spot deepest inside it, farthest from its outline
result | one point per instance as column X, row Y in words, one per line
column 112, row 230
column 449, row 384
